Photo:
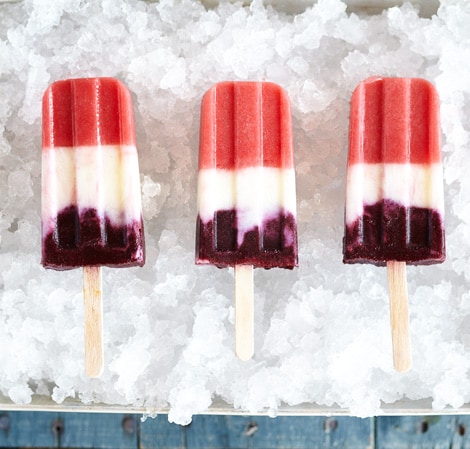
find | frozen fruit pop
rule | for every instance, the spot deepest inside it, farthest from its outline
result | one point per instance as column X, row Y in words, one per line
column 394, row 200
column 91, row 205
column 394, row 206
column 246, row 181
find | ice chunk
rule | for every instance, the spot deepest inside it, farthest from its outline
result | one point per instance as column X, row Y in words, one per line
column 20, row 394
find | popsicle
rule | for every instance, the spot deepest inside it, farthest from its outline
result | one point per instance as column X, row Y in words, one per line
column 394, row 212
column 91, row 203
column 246, row 189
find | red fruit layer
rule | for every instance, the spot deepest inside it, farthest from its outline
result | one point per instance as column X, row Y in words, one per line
column 394, row 120
column 87, row 111
column 245, row 124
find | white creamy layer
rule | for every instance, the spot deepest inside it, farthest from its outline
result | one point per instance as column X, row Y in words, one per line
column 419, row 185
column 256, row 193
column 105, row 178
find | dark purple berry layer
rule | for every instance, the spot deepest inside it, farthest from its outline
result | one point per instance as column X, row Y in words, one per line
column 275, row 245
column 390, row 231
column 86, row 240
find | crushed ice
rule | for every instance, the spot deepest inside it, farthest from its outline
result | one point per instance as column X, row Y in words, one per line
column 322, row 330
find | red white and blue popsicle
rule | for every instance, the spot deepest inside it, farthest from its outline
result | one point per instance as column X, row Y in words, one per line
column 246, row 185
column 394, row 211
column 91, row 203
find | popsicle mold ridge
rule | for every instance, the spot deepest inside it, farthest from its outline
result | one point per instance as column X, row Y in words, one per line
column 246, row 179
column 394, row 195
column 91, row 202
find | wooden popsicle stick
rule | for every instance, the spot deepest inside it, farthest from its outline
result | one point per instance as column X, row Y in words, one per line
column 244, row 312
column 93, row 311
column 399, row 319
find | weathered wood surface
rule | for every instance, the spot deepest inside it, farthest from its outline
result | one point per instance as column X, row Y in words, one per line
column 117, row 431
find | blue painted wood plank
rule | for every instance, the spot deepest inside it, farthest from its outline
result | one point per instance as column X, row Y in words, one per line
column 26, row 429
column 159, row 433
column 214, row 431
column 236, row 432
column 99, row 431
column 284, row 433
column 71, row 430
column 423, row 432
